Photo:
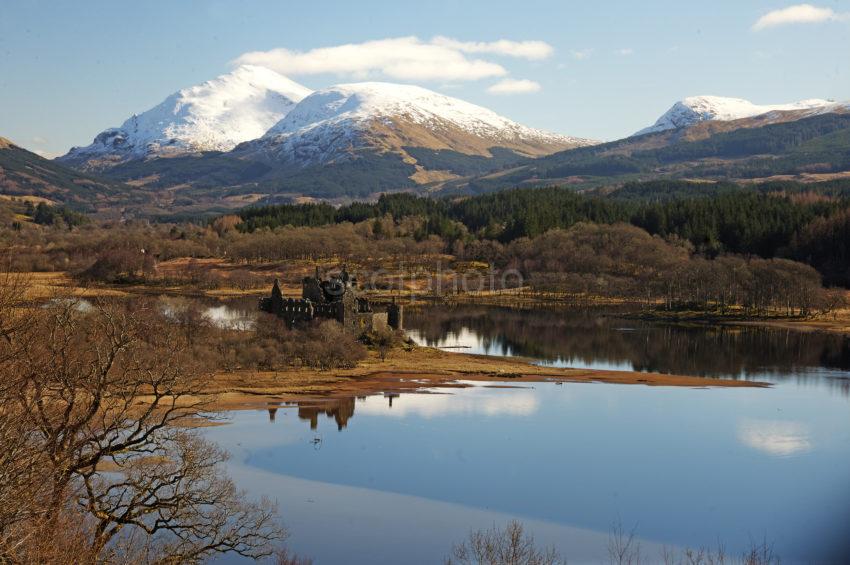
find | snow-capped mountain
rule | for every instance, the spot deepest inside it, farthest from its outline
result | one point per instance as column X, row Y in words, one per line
column 213, row 116
column 697, row 109
column 333, row 124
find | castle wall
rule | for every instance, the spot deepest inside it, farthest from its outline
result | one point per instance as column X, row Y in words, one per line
column 311, row 290
column 360, row 322
column 353, row 312
column 395, row 316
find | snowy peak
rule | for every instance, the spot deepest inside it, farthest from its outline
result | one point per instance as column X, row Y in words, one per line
column 213, row 116
column 695, row 109
column 365, row 101
column 347, row 117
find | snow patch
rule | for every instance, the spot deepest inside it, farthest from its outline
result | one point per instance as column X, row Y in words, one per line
column 214, row 116
column 328, row 121
column 697, row 109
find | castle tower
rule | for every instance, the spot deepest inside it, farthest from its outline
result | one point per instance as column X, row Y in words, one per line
column 276, row 298
column 395, row 316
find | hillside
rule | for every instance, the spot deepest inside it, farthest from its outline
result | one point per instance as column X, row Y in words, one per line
column 213, row 116
column 748, row 149
column 351, row 141
column 331, row 125
column 696, row 109
column 23, row 173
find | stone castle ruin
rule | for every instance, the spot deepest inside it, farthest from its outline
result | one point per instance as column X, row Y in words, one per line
column 333, row 298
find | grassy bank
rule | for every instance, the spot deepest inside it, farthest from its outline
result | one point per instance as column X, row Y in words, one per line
column 415, row 370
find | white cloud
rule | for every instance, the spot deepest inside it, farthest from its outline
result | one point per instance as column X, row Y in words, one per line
column 401, row 58
column 472, row 402
column 777, row 438
column 45, row 154
column 798, row 14
column 531, row 50
column 514, row 86
column 581, row 54
column 626, row 51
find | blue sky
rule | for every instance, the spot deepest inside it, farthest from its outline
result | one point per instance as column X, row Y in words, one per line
column 598, row 69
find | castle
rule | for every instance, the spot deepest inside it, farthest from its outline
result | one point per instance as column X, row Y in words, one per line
column 334, row 298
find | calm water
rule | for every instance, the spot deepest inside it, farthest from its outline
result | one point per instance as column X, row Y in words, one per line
column 399, row 479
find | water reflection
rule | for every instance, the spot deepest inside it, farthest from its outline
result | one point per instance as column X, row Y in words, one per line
column 340, row 410
column 239, row 315
column 424, row 404
column 228, row 318
column 688, row 466
column 599, row 340
column 490, row 403
column 778, row 438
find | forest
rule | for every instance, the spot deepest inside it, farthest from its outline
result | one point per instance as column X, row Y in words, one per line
column 802, row 222
column 764, row 250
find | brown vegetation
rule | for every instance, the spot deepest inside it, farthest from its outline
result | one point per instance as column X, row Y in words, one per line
column 512, row 546
column 95, row 468
column 622, row 261
column 509, row 546
column 588, row 262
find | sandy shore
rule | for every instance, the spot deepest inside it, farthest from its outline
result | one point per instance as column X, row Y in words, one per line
column 415, row 370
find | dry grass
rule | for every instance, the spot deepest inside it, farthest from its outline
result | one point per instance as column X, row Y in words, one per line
column 48, row 285
column 417, row 369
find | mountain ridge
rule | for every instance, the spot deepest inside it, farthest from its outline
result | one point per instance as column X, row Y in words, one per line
column 793, row 144
column 343, row 123
column 695, row 109
column 216, row 115
column 24, row 173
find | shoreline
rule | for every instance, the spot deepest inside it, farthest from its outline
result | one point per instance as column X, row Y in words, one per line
column 418, row 371
column 836, row 325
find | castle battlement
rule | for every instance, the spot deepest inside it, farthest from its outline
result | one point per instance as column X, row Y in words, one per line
column 334, row 298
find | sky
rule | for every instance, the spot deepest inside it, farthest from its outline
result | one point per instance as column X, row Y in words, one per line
column 595, row 69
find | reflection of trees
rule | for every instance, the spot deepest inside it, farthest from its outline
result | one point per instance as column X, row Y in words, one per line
column 597, row 336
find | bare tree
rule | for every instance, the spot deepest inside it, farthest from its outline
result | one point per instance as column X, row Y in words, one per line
column 182, row 500
column 508, row 546
column 21, row 481
column 623, row 546
column 97, row 397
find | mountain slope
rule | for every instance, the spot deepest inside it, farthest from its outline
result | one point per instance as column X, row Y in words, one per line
column 213, row 116
column 752, row 148
column 23, row 173
column 696, row 109
column 333, row 124
column 355, row 140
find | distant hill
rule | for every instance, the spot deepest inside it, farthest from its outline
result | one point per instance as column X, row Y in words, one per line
column 23, row 173
column 213, row 116
column 255, row 137
column 696, row 109
column 255, row 132
column 757, row 148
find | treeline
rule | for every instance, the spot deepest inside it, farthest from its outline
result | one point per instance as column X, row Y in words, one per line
column 618, row 261
column 624, row 261
column 47, row 215
column 775, row 219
